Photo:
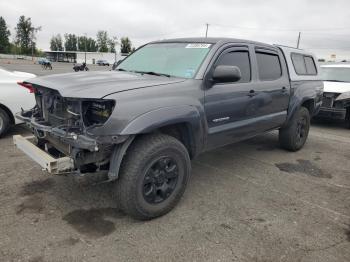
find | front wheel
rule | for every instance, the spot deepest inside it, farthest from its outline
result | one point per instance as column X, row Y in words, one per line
column 86, row 69
column 153, row 176
column 294, row 135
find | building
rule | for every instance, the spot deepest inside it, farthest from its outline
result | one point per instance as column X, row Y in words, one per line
column 80, row 57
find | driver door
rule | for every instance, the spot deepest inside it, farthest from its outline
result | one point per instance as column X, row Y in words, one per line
column 230, row 107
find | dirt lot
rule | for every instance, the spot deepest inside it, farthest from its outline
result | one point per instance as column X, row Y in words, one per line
column 250, row 201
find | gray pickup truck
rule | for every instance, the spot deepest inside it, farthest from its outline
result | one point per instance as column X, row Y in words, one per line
column 141, row 124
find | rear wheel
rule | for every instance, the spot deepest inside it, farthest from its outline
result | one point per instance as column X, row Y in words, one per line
column 294, row 135
column 153, row 176
column 4, row 122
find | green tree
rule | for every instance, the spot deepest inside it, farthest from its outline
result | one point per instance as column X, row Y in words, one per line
column 102, row 41
column 4, row 36
column 88, row 43
column 125, row 45
column 71, row 42
column 25, row 34
column 56, row 43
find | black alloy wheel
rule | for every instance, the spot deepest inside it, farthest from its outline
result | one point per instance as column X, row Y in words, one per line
column 160, row 180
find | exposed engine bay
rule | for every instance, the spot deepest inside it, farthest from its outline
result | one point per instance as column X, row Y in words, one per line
column 63, row 127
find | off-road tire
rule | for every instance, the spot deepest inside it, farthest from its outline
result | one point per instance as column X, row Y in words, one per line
column 290, row 137
column 129, row 188
column 4, row 122
column 347, row 117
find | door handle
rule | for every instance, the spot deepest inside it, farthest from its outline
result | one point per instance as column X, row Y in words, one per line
column 252, row 93
column 284, row 89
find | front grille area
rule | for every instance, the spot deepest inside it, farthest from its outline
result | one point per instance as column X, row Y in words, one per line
column 327, row 101
column 58, row 111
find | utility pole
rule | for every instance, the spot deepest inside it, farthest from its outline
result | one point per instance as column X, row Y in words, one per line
column 85, row 40
column 298, row 40
column 206, row 31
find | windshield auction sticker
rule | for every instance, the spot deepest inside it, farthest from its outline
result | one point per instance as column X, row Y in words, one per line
column 198, row 45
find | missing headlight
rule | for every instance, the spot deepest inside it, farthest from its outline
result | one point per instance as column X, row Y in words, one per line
column 97, row 112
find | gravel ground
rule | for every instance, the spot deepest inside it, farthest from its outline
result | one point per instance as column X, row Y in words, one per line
column 250, row 201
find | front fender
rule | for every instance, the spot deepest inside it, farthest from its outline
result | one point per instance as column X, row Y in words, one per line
column 160, row 117
column 166, row 116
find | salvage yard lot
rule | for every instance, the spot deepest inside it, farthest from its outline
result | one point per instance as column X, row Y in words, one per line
column 250, row 201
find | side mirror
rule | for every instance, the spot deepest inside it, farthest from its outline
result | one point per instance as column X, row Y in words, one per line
column 226, row 73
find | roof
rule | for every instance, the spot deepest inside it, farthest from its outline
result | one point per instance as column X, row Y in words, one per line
column 210, row 40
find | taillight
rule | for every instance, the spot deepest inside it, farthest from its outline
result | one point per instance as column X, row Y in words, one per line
column 28, row 86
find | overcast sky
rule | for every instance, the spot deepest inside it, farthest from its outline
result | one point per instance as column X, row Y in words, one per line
column 325, row 24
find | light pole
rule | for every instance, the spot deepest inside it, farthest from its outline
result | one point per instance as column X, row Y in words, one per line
column 34, row 30
column 115, row 48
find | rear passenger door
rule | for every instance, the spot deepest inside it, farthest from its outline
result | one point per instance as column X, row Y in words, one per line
column 273, row 89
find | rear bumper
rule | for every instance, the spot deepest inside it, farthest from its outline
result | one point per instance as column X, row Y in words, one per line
column 334, row 113
column 46, row 161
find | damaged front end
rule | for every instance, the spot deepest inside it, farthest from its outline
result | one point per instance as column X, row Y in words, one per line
column 335, row 105
column 64, row 127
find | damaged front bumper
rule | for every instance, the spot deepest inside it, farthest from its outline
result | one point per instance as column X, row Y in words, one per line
column 334, row 105
column 78, row 152
column 73, row 139
column 46, row 161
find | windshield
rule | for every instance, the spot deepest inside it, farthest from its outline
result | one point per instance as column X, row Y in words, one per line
column 337, row 74
column 173, row 59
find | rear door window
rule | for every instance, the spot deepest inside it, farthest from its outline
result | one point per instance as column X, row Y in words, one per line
column 269, row 66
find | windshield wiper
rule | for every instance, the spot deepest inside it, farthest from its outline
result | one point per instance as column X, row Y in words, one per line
column 152, row 73
column 121, row 69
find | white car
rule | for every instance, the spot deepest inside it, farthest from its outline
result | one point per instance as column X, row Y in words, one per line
column 336, row 96
column 13, row 97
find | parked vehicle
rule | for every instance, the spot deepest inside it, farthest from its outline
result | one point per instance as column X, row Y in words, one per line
column 141, row 124
column 13, row 97
column 82, row 67
column 43, row 60
column 102, row 63
column 336, row 96
column 46, row 65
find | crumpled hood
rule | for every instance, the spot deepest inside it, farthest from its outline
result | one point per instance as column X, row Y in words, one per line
column 99, row 84
column 336, row 87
